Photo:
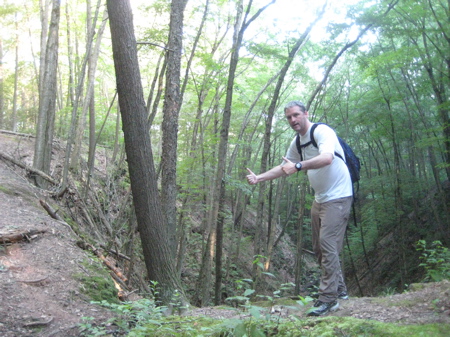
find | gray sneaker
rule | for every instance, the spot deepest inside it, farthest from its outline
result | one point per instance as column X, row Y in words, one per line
column 343, row 295
column 321, row 308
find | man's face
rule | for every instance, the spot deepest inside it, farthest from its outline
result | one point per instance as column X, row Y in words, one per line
column 297, row 119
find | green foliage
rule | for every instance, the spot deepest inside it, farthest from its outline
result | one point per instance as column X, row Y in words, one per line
column 177, row 302
column 244, row 286
column 130, row 316
column 88, row 328
column 97, row 285
column 436, row 260
column 7, row 190
column 256, row 327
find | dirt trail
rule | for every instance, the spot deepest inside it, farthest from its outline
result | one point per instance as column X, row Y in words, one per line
column 38, row 293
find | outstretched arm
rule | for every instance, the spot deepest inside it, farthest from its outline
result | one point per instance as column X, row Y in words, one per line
column 288, row 168
column 273, row 173
column 276, row 172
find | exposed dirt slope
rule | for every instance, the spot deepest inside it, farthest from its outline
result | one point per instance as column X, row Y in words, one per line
column 39, row 295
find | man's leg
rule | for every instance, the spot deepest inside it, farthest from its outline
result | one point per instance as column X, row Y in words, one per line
column 333, row 223
column 315, row 228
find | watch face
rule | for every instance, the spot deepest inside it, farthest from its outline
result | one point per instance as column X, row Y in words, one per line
column 298, row 166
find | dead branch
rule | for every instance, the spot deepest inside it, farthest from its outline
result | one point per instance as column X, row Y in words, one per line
column 50, row 210
column 84, row 210
column 17, row 134
column 308, row 251
column 38, row 323
column 39, row 282
column 101, row 214
column 121, row 287
column 97, row 252
column 18, row 237
column 44, row 175
column 116, row 253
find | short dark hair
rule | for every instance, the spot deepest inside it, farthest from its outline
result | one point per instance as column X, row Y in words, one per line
column 295, row 103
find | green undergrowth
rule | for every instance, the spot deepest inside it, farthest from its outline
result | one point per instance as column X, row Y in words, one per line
column 291, row 327
column 96, row 283
column 6, row 190
column 142, row 318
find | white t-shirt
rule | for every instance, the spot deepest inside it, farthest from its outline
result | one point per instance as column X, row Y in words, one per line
column 329, row 182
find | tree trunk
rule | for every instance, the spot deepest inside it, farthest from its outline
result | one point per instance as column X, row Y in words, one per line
column 90, row 96
column 47, row 98
column 79, row 93
column 44, row 6
column 171, row 109
column 92, row 59
column 151, row 224
column 2, row 93
column 70, row 88
column 16, row 78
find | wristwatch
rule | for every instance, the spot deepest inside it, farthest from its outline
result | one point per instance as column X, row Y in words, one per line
column 298, row 166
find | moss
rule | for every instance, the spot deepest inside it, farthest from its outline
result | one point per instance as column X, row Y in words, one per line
column 416, row 286
column 75, row 227
column 283, row 301
column 316, row 327
column 6, row 190
column 97, row 284
column 335, row 326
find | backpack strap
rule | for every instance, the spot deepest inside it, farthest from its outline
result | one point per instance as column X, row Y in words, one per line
column 312, row 141
column 299, row 147
column 311, row 134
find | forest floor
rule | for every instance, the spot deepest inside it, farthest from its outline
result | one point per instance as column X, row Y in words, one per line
column 40, row 295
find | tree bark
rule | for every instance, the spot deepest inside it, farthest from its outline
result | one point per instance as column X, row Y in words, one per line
column 16, row 78
column 92, row 59
column 90, row 96
column 79, row 92
column 47, row 98
column 147, row 205
column 171, row 109
column 2, row 93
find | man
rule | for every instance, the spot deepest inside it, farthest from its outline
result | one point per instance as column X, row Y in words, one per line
column 333, row 195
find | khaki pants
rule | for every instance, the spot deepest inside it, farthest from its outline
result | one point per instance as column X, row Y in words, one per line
column 329, row 222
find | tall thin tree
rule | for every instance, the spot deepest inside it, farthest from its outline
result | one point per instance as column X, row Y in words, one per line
column 171, row 109
column 146, row 199
column 47, row 97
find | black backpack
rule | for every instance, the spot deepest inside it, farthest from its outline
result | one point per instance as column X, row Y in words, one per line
column 351, row 160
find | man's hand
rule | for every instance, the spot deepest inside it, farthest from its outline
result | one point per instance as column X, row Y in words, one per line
column 288, row 167
column 251, row 177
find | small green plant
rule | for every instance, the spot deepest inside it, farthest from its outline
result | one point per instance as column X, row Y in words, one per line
column 177, row 303
column 130, row 316
column 258, row 261
column 436, row 260
column 154, row 288
column 87, row 328
column 389, row 291
column 241, row 300
column 304, row 300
